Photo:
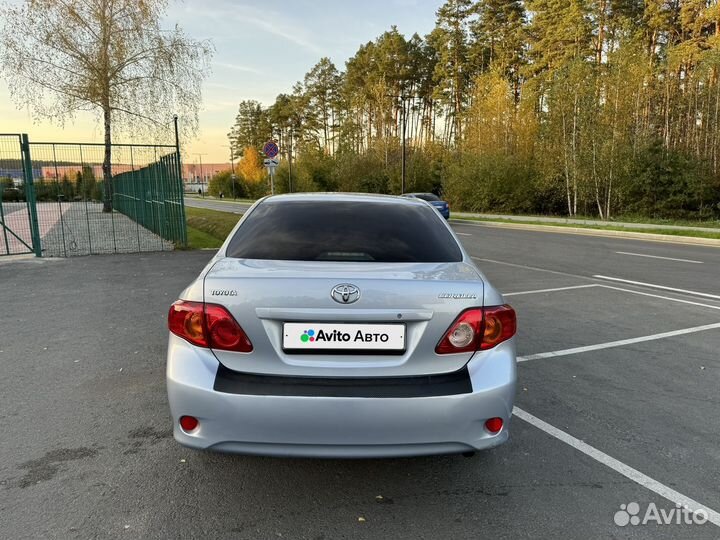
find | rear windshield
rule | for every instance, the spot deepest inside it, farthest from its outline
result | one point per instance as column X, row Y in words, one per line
column 344, row 231
column 427, row 197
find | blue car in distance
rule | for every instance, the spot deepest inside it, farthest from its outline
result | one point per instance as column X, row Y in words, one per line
column 441, row 206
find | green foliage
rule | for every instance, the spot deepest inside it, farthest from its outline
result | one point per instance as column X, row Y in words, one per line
column 315, row 172
column 491, row 183
column 86, row 184
column 671, row 185
column 223, row 183
column 544, row 106
column 251, row 129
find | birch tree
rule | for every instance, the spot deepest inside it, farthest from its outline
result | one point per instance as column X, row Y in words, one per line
column 110, row 57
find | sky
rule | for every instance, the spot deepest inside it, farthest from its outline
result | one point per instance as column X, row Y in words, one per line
column 262, row 49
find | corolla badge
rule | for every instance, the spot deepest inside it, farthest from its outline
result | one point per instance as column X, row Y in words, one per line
column 345, row 293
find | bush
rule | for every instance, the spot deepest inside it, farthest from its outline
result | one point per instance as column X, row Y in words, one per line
column 223, row 183
column 490, row 183
column 670, row 184
column 12, row 194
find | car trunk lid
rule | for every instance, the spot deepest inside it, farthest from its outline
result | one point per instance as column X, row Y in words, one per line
column 277, row 302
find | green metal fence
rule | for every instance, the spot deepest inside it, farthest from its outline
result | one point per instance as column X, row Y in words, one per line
column 62, row 206
column 19, row 232
column 152, row 196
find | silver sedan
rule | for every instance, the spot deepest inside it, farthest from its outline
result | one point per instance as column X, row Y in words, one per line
column 337, row 325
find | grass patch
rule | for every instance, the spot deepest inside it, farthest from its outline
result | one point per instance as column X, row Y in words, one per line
column 208, row 228
column 708, row 223
column 670, row 232
column 712, row 223
column 198, row 239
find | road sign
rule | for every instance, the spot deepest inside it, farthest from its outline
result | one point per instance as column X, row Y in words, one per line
column 274, row 162
column 271, row 149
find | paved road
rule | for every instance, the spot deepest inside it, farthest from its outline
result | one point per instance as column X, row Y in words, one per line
column 216, row 204
column 87, row 451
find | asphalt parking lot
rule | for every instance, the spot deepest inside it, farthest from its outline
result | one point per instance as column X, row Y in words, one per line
column 617, row 404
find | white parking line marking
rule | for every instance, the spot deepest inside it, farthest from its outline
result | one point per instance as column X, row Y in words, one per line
column 463, row 233
column 661, row 297
column 533, row 268
column 654, row 286
column 657, row 257
column 620, row 467
column 619, row 343
column 595, row 279
column 554, row 290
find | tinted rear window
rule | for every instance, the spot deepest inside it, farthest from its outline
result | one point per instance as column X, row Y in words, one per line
column 343, row 231
column 427, row 197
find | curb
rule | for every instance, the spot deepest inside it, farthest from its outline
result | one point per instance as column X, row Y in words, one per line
column 667, row 238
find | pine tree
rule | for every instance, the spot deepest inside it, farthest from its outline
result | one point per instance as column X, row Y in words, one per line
column 451, row 76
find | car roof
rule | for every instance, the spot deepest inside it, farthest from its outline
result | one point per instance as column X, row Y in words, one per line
column 341, row 197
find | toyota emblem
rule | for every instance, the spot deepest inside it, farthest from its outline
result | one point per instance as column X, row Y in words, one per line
column 345, row 293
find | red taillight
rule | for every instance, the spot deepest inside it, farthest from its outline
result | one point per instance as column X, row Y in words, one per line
column 493, row 425
column 478, row 329
column 225, row 332
column 188, row 423
column 187, row 320
column 207, row 325
column 464, row 334
column 499, row 324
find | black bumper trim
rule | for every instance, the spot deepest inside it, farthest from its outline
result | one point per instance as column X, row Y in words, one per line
column 446, row 384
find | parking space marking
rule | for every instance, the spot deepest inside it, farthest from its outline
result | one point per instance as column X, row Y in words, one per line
column 619, row 343
column 533, row 268
column 657, row 257
column 680, row 300
column 554, row 290
column 598, row 277
column 654, row 286
column 620, row 467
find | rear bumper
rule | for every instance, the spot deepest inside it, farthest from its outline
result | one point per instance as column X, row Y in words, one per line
column 329, row 426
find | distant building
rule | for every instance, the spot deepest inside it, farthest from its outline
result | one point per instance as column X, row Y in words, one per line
column 57, row 172
column 192, row 173
column 194, row 176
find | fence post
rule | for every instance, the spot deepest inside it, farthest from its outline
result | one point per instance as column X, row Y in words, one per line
column 183, row 223
column 30, row 194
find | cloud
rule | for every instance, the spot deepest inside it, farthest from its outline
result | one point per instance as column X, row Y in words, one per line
column 236, row 67
column 289, row 32
column 219, row 106
column 276, row 23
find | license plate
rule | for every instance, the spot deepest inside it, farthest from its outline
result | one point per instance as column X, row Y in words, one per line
column 319, row 337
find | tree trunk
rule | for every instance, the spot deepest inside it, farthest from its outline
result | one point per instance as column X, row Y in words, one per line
column 567, row 168
column 107, row 172
column 597, row 187
column 574, row 153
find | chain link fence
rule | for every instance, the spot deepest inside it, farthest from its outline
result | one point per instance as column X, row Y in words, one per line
column 141, row 210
